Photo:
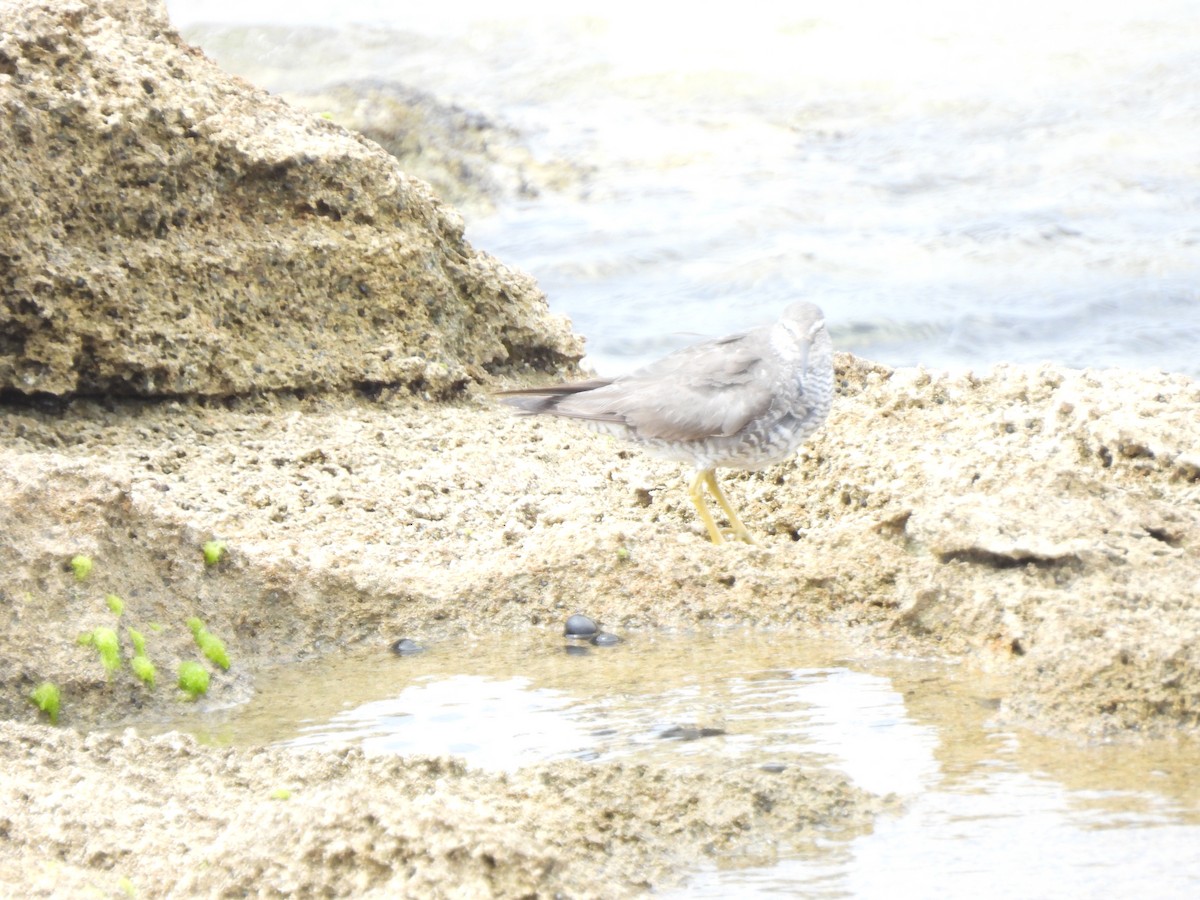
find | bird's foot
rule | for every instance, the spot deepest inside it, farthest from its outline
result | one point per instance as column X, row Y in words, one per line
column 736, row 534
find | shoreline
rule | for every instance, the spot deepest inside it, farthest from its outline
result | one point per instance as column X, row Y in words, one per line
column 989, row 518
column 292, row 345
column 350, row 522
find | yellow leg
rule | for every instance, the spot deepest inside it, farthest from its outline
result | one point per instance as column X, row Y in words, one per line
column 736, row 526
column 696, row 492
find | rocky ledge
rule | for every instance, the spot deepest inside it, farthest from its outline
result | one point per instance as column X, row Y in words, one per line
column 166, row 229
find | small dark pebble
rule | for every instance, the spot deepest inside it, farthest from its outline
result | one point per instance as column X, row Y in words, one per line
column 774, row 768
column 580, row 626
column 689, row 733
column 576, row 650
column 604, row 639
column 405, row 647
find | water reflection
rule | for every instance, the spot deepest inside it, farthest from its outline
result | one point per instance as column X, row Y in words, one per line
column 984, row 811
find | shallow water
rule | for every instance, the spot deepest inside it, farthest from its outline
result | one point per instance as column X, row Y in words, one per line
column 986, row 811
column 956, row 185
column 518, row 699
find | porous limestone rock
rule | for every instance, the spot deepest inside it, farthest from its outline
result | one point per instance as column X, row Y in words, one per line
column 167, row 229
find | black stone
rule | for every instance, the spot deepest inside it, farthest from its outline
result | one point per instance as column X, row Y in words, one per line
column 580, row 626
column 405, row 647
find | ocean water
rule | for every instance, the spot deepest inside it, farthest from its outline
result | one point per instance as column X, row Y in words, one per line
column 956, row 185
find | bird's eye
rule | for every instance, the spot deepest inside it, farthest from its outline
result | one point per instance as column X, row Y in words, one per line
column 815, row 327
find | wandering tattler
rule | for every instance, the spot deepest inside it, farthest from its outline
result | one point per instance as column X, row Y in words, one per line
column 744, row 401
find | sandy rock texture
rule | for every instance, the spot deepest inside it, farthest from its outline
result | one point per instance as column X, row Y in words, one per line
column 108, row 814
column 1038, row 521
column 1033, row 521
column 166, row 229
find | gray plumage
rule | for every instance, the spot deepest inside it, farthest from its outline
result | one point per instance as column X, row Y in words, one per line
column 743, row 401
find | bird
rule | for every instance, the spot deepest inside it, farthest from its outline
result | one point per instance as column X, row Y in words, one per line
column 744, row 401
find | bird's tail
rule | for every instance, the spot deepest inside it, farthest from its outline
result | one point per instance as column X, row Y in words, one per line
column 535, row 400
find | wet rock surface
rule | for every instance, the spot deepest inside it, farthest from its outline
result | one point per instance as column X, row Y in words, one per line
column 337, row 824
column 1024, row 520
column 1061, row 551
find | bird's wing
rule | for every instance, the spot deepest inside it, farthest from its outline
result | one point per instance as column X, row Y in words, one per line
column 712, row 389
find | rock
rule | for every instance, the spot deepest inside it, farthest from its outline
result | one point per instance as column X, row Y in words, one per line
column 385, row 825
column 406, row 647
column 1040, row 521
column 580, row 626
column 469, row 160
column 166, row 229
